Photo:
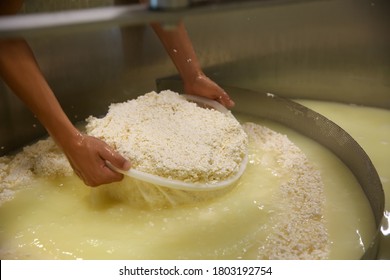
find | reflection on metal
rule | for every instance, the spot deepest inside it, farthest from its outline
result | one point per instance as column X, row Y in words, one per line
column 168, row 4
column 96, row 18
column 385, row 228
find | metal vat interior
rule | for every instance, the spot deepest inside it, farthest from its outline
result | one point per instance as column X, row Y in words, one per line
column 325, row 50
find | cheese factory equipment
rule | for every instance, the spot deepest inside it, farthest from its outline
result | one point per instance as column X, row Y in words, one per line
column 291, row 48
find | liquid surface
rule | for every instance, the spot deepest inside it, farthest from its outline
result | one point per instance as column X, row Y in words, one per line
column 58, row 219
column 370, row 127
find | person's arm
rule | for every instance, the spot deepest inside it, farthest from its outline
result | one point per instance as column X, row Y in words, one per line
column 180, row 49
column 86, row 154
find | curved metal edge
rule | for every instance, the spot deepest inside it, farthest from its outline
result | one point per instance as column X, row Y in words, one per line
column 34, row 24
column 320, row 129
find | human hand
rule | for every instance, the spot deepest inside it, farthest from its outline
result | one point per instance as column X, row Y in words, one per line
column 88, row 155
column 204, row 86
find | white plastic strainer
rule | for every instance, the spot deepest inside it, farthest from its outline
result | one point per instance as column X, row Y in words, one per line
column 188, row 186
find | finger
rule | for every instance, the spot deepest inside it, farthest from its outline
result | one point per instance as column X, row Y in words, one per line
column 115, row 158
column 100, row 173
column 225, row 100
column 109, row 176
column 103, row 175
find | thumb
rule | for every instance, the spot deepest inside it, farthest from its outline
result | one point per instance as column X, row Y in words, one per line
column 225, row 100
column 115, row 158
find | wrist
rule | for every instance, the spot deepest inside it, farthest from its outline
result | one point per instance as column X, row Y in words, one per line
column 190, row 79
column 67, row 136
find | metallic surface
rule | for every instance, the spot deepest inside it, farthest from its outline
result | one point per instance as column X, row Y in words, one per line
column 335, row 50
column 328, row 50
column 100, row 17
column 168, row 4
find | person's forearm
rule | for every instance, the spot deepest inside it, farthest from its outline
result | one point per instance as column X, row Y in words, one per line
column 180, row 49
column 21, row 73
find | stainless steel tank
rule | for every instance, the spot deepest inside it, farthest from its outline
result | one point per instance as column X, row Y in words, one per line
column 101, row 52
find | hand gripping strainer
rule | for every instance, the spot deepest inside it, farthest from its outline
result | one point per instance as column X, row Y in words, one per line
column 188, row 186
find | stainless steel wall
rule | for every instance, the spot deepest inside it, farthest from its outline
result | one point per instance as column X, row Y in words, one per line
column 330, row 50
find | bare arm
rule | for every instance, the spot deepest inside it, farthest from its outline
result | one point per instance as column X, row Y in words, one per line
column 86, row 154
column 20, row 71
column 180, row 49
